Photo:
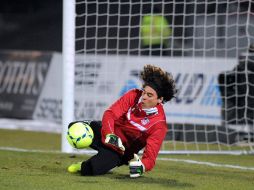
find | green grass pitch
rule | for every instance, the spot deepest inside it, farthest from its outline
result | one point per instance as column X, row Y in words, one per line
column 34, row 170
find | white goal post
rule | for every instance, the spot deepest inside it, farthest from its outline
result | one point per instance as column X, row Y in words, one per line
column 204, row 44
column 68, row 69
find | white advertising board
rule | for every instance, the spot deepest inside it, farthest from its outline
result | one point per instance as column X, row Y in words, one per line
column 100, row 80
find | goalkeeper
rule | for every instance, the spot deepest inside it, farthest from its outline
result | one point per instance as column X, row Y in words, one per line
column 133, row 122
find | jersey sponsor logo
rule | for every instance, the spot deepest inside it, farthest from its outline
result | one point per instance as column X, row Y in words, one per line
column 145, row 121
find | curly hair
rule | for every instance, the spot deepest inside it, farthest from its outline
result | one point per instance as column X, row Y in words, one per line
column 162, row 82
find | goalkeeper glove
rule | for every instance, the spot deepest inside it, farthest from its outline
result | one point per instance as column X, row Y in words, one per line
column 115, row 141
column 136, row 167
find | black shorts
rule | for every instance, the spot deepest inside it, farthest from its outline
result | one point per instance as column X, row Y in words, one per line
column 105, row 160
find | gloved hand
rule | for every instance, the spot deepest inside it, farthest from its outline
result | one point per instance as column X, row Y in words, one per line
column 115, row 141
column 136, row 167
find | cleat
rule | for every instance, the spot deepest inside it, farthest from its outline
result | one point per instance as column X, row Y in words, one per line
column 74, row 168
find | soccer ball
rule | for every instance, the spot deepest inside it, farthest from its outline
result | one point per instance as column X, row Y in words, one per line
column 80, row 135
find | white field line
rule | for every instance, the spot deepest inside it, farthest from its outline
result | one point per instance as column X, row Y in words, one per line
column 28, row 150
column 162, row 159
column 207, row 163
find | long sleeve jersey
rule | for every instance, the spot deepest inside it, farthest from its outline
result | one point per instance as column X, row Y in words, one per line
column 135, row 127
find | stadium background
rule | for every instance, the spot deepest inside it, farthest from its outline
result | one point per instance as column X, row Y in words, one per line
column 31, row 25
column 37, row 25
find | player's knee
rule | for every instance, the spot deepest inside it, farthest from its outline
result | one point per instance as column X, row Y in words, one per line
column 89, row 168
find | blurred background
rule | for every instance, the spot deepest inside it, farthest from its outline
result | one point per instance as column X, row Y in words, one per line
column 31, row 25
column 37, row 25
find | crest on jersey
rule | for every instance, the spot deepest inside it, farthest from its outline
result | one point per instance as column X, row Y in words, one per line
column 145, row 121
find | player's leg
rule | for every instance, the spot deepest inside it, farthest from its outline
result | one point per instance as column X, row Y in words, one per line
column 96, row 127
column 101, row 163
column 96, row 144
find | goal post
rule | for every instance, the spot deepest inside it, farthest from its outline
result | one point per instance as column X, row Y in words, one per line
column 68, row 69
column 205, row 45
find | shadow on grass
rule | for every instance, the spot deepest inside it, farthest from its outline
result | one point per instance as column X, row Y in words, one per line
column 149, row 181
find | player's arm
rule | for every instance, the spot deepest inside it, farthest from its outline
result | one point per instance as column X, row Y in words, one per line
column 153, row 145
column 137, row 166
column 116, row 110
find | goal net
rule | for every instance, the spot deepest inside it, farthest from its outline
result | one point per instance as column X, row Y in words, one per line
column 204, row 44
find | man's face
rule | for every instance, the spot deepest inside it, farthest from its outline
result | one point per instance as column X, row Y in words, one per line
column 149, row 98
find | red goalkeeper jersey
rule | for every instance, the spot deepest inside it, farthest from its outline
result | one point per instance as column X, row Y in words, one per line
column 136, row 128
